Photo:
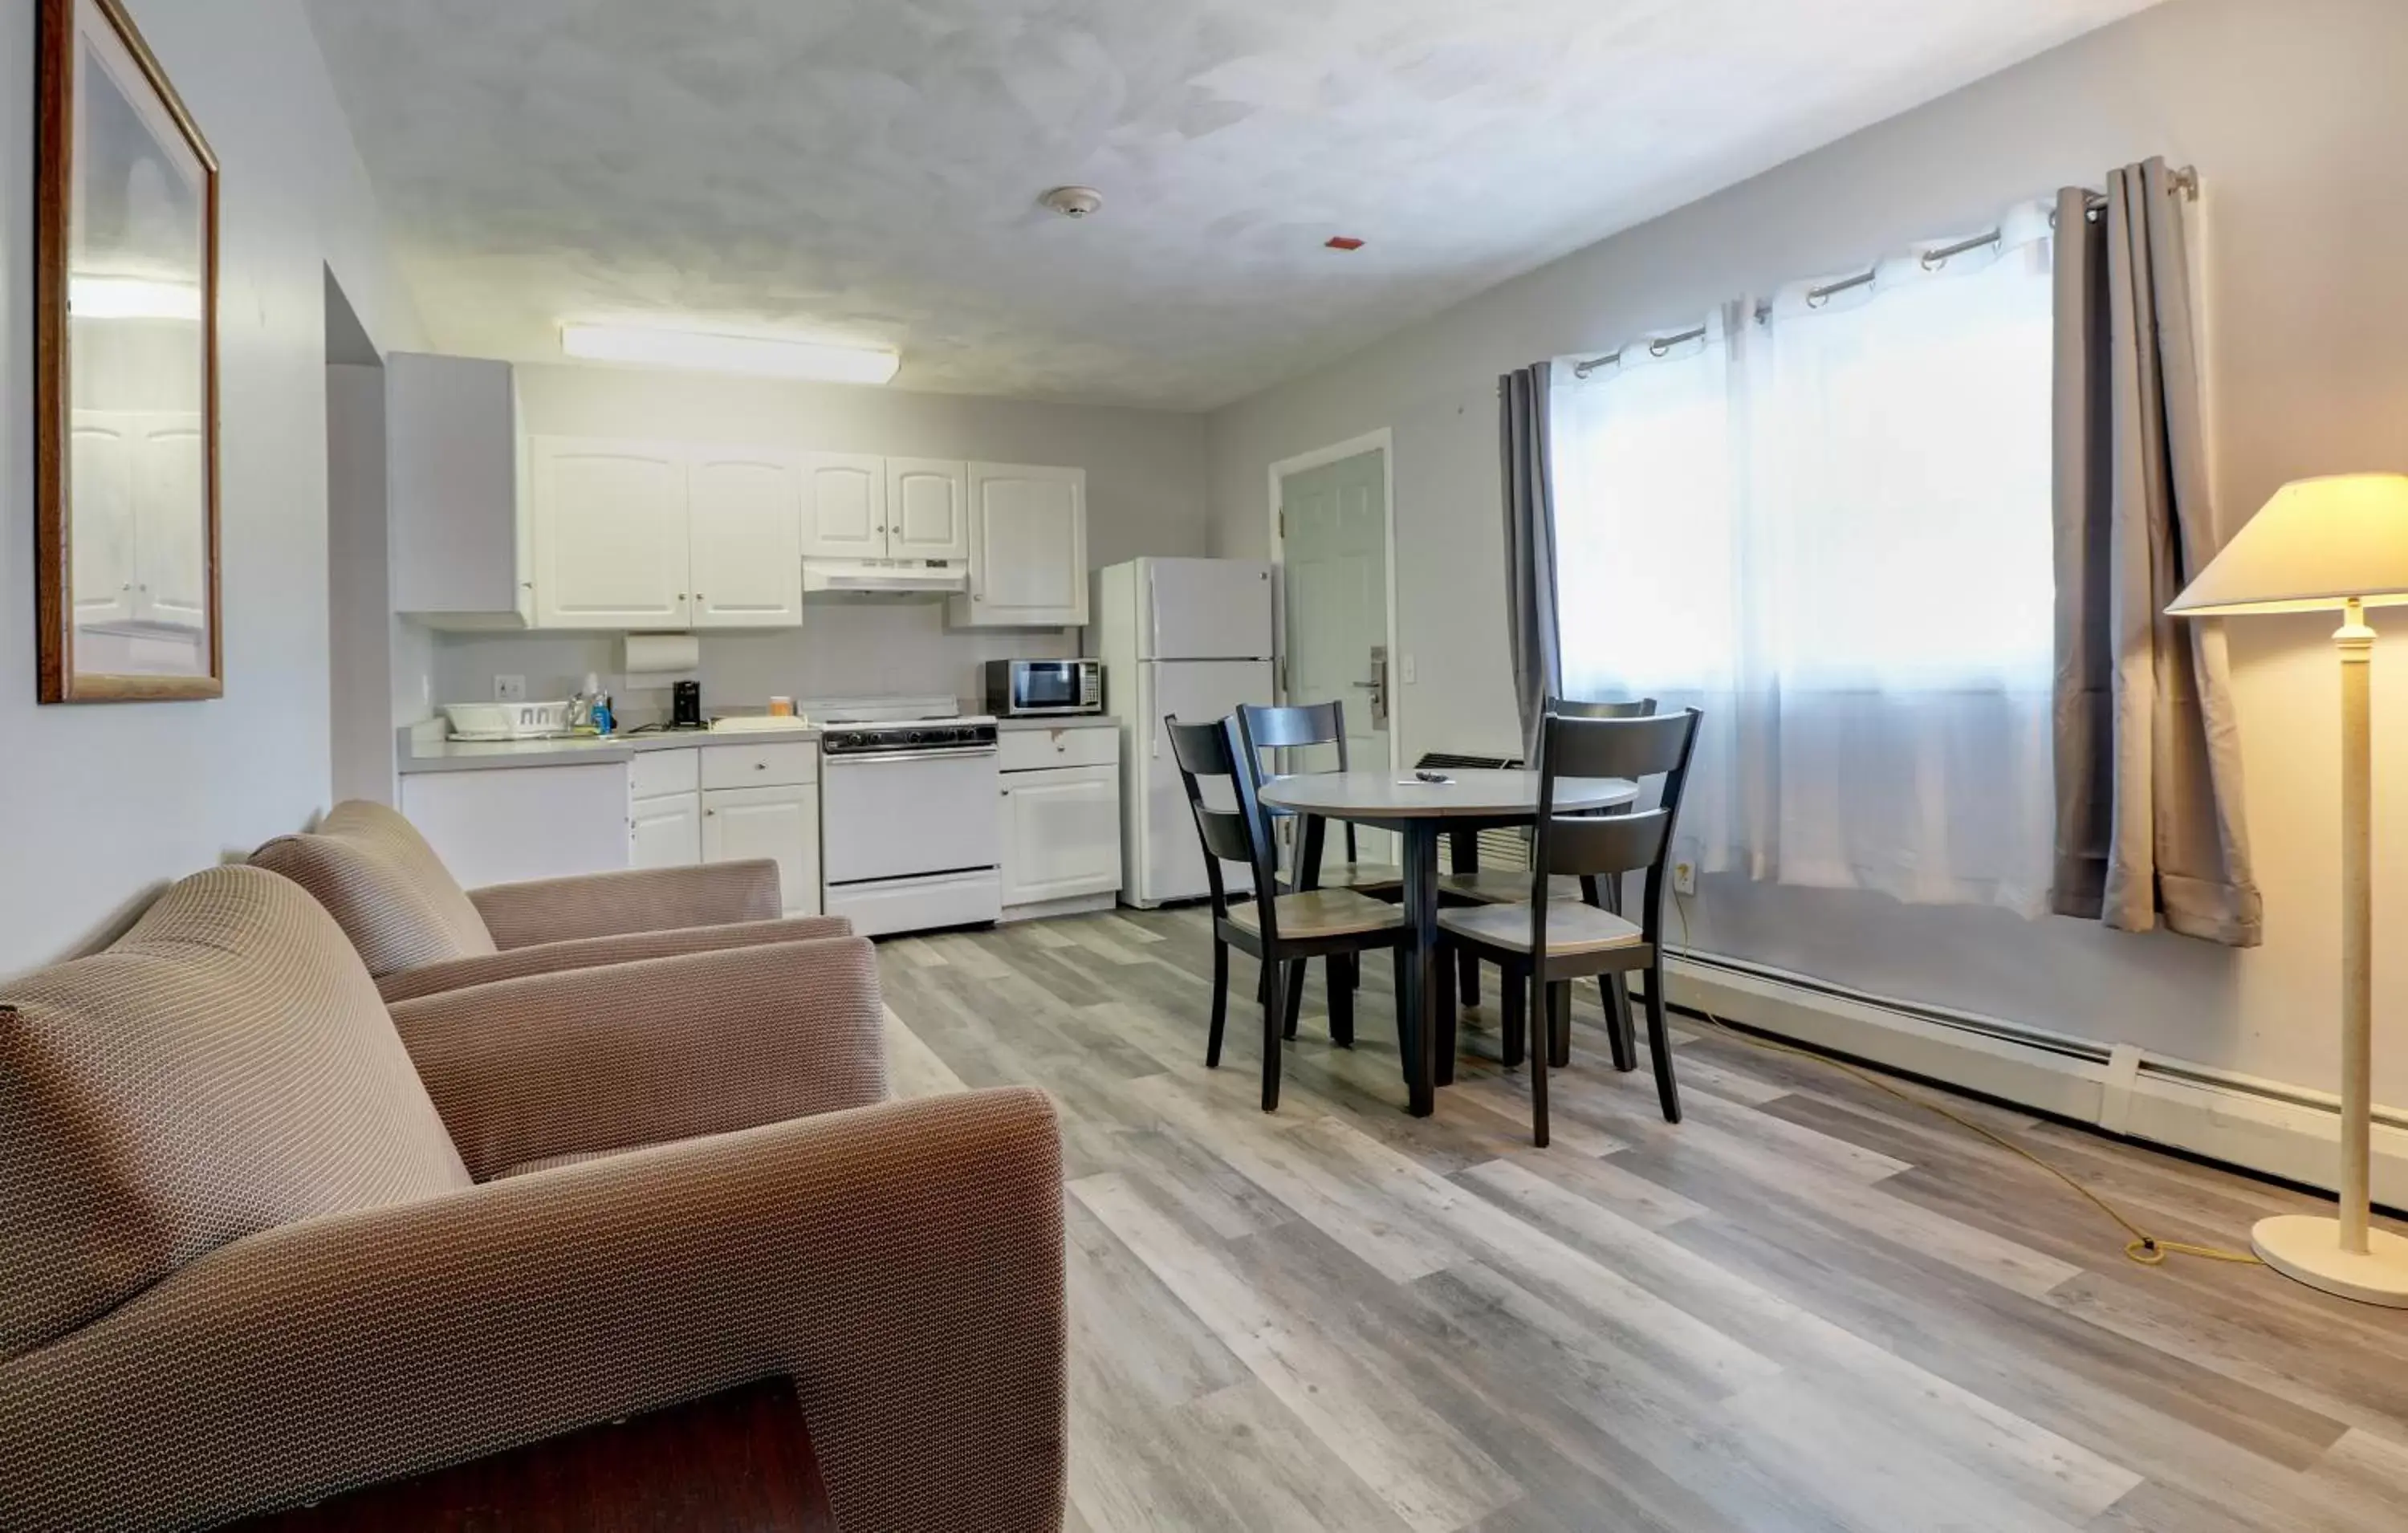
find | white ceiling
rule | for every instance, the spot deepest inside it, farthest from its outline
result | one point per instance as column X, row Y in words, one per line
column 869, row 168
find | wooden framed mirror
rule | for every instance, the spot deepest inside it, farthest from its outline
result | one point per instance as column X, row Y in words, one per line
column 127, row 587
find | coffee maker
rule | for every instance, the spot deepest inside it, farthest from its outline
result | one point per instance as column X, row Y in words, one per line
column 685, row 706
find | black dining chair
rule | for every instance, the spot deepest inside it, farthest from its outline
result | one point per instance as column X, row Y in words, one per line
column 1548, row 942
column 1278, row 930
column 1468, row 883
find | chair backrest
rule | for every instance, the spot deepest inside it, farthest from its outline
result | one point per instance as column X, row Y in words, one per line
column 1294, row 726
column 384, row 886
column 1637, row 707
column 1220, row 750
column 1635, row 747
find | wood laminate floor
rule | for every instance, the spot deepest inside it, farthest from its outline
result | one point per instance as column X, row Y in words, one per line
column 1807, row 1307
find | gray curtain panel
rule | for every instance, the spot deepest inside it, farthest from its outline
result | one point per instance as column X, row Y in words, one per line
column 2149, row 827
column 1530, row 544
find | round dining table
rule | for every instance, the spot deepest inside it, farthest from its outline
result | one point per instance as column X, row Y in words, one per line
column 1417, row 813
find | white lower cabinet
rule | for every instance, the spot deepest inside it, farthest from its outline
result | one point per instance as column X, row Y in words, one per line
column 1060, row 825
column 665, row 832
column 781, row 824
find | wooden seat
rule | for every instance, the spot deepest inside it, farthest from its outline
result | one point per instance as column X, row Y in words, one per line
column 1501, row 886
column 1321, row 912
column 1305, row 728
column 1549, row 943
column 1572, row 927
column 1362, row 875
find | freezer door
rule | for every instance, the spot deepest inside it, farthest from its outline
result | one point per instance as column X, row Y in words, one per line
column 1170, row 860
column 1204, row 609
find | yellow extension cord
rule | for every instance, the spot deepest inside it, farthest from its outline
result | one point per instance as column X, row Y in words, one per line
column 2143, row 1246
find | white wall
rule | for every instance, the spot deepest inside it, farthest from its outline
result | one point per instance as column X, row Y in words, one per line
column 2293, row 114
column 358, row 596
column 1146, row 493
column 102, row 803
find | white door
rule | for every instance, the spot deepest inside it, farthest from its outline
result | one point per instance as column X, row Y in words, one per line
column 779, row 824
column 665, row 832
column 101, row 469
column 927, row 508
column 609, row 534
column 1335, row 548
column 1204, row 609
column 1028, row 547
column 743, row 534
column 1061, row 834
column 1171, row 865
column 844, row 505
column 171, row 546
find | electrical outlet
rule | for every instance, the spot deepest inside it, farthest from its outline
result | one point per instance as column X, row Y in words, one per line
column 510, row 688
column 1685, row 877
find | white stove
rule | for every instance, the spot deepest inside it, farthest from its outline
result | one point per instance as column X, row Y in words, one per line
column 909, row 834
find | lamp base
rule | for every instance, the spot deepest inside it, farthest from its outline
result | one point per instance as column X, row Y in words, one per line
column 2307, row 1247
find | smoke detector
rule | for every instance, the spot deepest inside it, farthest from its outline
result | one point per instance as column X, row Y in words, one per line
column 1072, row 201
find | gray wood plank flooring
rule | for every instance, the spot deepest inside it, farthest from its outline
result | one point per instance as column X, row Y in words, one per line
column 1809, row 1306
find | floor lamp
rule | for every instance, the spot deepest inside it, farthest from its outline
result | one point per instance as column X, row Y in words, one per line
column 2324, row 543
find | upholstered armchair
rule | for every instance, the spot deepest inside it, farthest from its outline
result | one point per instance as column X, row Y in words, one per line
column 263, row 1240
column 419, row 932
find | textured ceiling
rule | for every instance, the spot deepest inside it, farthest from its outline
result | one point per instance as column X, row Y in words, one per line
column 869, row 168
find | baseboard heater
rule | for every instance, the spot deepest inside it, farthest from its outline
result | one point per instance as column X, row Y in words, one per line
column 2269, row 1127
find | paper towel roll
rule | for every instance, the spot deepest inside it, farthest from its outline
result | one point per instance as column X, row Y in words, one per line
column 655, row 652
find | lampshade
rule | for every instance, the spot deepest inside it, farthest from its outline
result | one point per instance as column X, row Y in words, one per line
column 2318, row 543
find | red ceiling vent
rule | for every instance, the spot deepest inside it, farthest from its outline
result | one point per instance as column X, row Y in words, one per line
column 1343, row 242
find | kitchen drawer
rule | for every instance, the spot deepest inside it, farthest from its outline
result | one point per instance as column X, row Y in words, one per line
column 1032, row 750
column 654, row 774
column 779, row 765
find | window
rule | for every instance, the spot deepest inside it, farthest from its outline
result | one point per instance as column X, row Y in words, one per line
column 1828, row 522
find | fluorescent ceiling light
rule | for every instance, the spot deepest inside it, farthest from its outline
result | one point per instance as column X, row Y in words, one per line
column 708, row 353
column 132, row 299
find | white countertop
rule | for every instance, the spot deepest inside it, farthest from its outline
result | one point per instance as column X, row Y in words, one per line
column 1058, row 721
column 446, row 756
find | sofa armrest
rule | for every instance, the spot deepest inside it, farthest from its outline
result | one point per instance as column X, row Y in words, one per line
column 642, row 899
column 595, row 952
column 903, row 1262
column 599, row 1059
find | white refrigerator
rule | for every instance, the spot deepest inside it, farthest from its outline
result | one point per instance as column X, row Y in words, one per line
column 1183, row 638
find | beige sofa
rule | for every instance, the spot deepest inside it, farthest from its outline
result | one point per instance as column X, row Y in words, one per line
column 419, row 932
column 262, row 1239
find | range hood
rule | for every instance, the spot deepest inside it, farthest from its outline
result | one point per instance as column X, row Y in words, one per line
column 885, row 577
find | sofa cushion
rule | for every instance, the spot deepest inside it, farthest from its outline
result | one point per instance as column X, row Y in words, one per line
column 223, row 1068
column 384, row 886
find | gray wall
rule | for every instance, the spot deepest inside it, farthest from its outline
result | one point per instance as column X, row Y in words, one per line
column 359, row 587
column 100, row 804
column 2294, row 116
column 1146, row 492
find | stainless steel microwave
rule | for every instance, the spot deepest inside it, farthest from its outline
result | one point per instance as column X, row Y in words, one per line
column 1019, row 689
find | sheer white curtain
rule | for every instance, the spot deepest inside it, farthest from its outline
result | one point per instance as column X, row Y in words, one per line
column 1829, row 528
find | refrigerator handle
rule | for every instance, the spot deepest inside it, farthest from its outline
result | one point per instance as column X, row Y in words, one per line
column 1154, row 620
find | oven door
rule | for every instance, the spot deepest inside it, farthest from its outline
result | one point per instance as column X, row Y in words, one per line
column 1045, row 686
column 906, row 815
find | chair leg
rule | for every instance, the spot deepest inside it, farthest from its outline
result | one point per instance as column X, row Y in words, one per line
column 1341, row 999
column 1660, row 1043
column 1538, row 1065
column 1442, row 1072
column 1559, row 1024
column 1468, row 976
column 1510, row 1046
column 1615, row 994
column 1220, row 1004
column 1271, row 1014
column 1294, row 978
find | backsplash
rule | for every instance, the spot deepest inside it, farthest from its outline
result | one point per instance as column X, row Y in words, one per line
column 844, row 649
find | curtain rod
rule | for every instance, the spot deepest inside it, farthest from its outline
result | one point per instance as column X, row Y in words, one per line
column 2184, row 181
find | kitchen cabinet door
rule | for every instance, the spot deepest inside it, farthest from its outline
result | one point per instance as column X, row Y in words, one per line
column 1061, row 834
column 927, row 508
column 610, row 521
column 665, row 832
column 456, row 493
column 779, row 824
column 105, row 448
column 844, row 505
column 743, row 527
column 1028, row 548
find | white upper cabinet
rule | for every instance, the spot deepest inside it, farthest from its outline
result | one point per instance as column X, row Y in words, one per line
column 610, row 533
column 743, row 527
column 927, row 504
column 135, row 559
column 1028, row 548
column 844, row 505
column 457, row 475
